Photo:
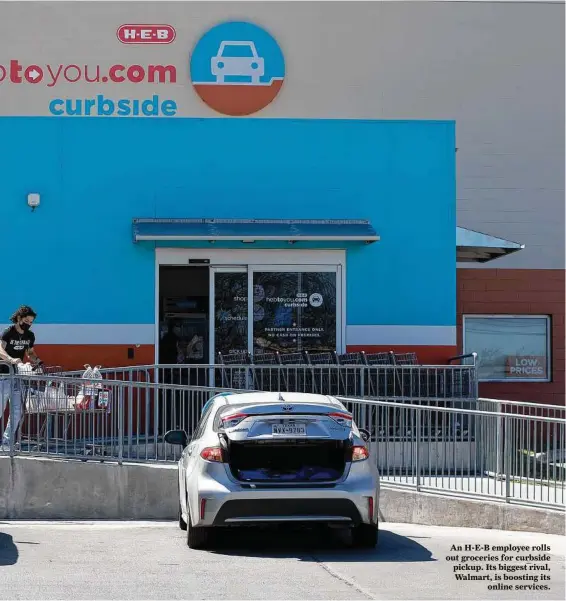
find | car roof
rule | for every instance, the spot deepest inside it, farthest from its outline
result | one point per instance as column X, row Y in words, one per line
column 278, row 397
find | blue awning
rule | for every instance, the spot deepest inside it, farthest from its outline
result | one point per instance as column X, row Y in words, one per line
column 471, row 246
column 251, row 230
column 475, row 247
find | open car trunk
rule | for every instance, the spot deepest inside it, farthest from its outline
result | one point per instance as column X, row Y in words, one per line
column 288, row 461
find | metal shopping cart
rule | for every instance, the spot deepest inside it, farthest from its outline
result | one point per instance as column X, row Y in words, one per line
column 54, row 407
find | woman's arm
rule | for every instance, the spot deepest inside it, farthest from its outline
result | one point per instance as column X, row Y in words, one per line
column 33, row 356
column 4, row 355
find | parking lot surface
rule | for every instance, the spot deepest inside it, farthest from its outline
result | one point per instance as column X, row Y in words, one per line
column 133, row 560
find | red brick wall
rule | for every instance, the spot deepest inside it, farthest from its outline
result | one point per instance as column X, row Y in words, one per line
column 74, row 356
column 518, row 292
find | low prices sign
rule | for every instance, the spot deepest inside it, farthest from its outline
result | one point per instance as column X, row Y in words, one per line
column 526, row 366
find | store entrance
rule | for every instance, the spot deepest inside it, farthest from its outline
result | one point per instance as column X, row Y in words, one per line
column 208, row 311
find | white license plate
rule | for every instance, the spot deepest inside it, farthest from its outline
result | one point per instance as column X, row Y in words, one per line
column 289, row 430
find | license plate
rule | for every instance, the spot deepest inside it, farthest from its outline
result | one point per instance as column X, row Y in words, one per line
column 289, row 430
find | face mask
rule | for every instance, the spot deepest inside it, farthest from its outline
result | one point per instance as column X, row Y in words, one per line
column 25, row 326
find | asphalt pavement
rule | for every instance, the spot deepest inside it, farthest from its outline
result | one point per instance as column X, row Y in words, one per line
column 136, row 560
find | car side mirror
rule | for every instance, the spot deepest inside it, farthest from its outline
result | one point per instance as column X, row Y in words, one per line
column 365, row 434
column 177, row 437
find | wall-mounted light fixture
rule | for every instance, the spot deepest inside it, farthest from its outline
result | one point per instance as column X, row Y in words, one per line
column 33, row 201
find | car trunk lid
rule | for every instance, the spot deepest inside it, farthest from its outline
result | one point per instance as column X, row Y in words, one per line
column 284, row 421
column 287, row 443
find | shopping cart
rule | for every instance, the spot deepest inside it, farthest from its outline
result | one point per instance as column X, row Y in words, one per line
column 60, row 414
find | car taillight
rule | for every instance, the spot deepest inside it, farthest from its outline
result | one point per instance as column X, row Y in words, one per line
column 202, row 508
column 359, row 453
column 229, row 421
column 212, row 454
column 344, row 419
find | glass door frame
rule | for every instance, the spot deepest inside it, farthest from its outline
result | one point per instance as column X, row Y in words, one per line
column 214, row 269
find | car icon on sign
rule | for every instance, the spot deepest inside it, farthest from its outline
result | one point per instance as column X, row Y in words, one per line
column 237, row 59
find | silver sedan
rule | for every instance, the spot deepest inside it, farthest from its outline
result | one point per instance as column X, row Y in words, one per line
column 265, row 457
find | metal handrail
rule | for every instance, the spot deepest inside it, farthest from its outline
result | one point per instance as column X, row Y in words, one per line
column 473, row 356
column 344, row 399
column 482, row 444
column 9, row 366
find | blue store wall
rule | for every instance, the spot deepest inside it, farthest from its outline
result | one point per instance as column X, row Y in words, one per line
column 95, row 175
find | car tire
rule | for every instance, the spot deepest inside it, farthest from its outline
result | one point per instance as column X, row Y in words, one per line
column 365, row 536
column 197, row 538
column 182, row 523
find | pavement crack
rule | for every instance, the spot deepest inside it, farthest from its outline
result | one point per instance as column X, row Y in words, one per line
column 347, row 581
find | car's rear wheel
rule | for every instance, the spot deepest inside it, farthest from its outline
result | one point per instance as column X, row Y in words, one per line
column 364, row 536
column 197, row 538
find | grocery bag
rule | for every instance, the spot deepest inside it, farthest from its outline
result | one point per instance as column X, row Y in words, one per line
column 92, row 394
column 56, row 397
column 83, row 399
column 53, row 398
column 24, row 369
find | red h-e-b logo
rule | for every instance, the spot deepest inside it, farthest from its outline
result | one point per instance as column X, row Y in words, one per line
column 146, row 34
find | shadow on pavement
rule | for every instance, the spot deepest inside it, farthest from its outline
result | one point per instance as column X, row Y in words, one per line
column 318, row 545
column 8, row 550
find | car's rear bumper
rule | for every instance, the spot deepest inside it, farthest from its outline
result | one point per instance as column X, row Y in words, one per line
column 226, row 503
column 250, row 511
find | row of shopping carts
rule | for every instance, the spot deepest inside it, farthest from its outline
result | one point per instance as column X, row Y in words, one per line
column 381, row 375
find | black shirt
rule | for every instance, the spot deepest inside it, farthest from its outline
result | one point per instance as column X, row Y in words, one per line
column 16, row 344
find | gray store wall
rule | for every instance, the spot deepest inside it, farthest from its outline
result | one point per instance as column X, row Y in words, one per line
column 496, row 68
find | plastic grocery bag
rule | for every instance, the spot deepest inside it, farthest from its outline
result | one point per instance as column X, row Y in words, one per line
column 92, row 394
column 53, row 398
column 83, row 399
